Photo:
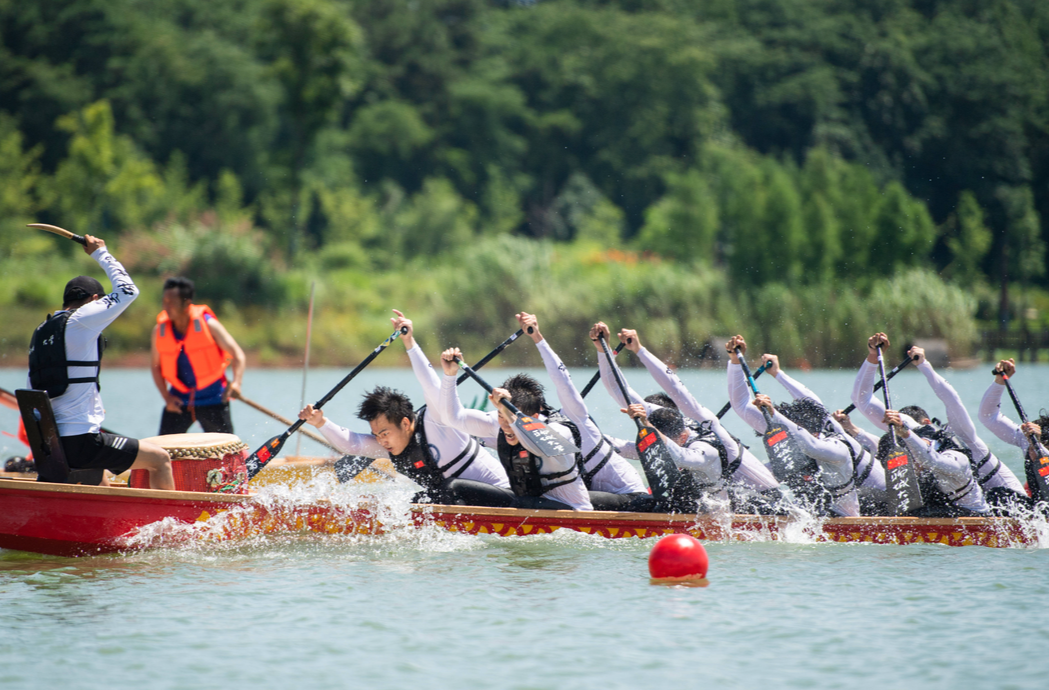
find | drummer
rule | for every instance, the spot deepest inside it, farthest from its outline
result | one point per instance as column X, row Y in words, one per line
column 69, row 373
column 190, row 351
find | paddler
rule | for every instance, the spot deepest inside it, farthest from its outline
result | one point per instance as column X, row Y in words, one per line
column 1007, row 430
column 65, row 359
column 943, row 461
column 827, row 482
column 190, row 352
column 613, row 482
column 538, row 482
column 451, row 467
column 750, row 484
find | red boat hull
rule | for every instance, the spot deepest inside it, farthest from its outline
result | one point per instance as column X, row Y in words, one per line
column 69, row 520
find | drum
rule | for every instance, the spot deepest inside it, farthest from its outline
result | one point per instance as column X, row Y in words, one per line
column 212, row 463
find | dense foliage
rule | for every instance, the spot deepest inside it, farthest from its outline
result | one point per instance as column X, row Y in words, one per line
column 802, row 170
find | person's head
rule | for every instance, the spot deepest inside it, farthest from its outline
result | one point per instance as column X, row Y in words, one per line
column 81, row 290
column 669, row 422
column 526, row 394
column 1043, row 421
column 661, row 399
column 916, row 413
column 391, row 417
column 178, row 295
column 806, row 413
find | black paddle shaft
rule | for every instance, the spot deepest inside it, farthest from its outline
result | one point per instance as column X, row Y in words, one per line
column 593, row 381
column 888, row 377
column 491, row 355
column 257, row 460
column 885, row 393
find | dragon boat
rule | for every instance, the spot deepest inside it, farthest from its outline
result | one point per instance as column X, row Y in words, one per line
column 77, row 520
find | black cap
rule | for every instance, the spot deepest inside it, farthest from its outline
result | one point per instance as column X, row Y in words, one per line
column 82, row 287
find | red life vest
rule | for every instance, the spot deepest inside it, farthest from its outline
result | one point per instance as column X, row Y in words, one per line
column 208, row 360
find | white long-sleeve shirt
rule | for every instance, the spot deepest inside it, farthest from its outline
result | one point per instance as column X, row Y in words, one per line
column 832, row 455
column 951, row 468
column 79, row 410
column 1001, row 426
column 617, row 476
column 484, row 426
column 962, row 425
column 751, row 472
column 445, row 441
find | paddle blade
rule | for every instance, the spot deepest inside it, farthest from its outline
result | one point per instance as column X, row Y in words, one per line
column 785, row 458
column 260, row 458
column 659, row 467
column 548, row 442
column 903, row 495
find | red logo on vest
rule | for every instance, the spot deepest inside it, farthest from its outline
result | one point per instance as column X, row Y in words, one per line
column 419, row 464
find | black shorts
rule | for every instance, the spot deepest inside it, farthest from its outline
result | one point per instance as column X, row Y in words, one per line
column 100, row 452
column 213, row 419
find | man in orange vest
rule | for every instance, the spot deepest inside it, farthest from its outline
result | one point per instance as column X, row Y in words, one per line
column 190, row 350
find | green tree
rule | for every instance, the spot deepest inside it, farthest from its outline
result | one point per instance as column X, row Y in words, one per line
column 683, row 225
column 970, row 240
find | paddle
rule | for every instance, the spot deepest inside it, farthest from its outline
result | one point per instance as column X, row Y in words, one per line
column 491, row 355
column 757, row 375
column 257, row 460
column 655, row 458
column 888, row 377
column 1037, row 470
column 79, row 239
column 597, row 376
column 785, row 458
column 902, row 492
column 548, row 442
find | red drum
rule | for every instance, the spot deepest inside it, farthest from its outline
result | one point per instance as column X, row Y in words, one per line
column 212, row 463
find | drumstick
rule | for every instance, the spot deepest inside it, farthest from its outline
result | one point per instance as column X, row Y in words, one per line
column 61, row 232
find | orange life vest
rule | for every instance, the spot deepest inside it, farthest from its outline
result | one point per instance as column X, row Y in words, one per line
column 208, row 360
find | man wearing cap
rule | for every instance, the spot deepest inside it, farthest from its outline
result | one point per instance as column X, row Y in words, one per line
column 190, row 350
column 65, row 359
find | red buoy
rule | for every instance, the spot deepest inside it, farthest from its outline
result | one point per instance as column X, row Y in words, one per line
column 678, row 558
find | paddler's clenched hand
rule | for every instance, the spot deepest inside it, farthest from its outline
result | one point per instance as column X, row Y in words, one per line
column 401, row 321
column 448, row 363
column 917, row 354
column 629, row 336
column 1007, row 367
column 892, row 418
column 734, row 342
column 636, row 411
column 598, row 330
column 762, row 400
column 841, row 418
column 530, row 325
column 312, row 416
column 872, row 346
column 93, row 244
column 773, row 368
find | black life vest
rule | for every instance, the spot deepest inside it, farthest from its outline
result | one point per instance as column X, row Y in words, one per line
column 523, row 470
column 943, row 440
column 416, row 461
column 604, row 447
column 704, row 432
column 48, row 366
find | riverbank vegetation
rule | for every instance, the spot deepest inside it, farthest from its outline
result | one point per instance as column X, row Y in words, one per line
column 804, row 174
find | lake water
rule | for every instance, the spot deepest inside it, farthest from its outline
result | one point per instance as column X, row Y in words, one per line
column 431, row 609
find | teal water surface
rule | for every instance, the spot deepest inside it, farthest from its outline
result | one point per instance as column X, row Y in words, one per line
column 431, row 609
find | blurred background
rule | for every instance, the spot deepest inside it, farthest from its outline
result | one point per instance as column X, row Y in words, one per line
column 804, row 173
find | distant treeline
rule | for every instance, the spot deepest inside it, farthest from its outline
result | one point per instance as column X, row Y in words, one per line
column 699, row 167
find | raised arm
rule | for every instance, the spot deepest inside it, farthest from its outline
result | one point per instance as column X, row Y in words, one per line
column 346, row 441
column 607, row 374
column 95, row 316
column 473, row 422
column 957, row 416
column 796, row 389
column 666, row 378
